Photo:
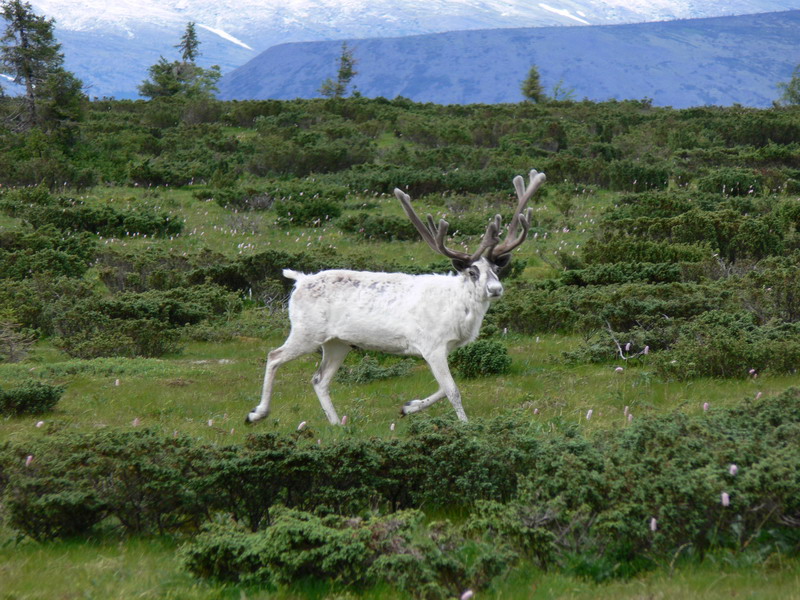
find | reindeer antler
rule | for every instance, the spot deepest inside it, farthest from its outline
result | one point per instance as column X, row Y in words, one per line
column 435, row 236
column 524, row 194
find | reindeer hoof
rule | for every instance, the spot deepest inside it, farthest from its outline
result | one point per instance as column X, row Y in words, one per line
column 253, row 417
column 411, row 406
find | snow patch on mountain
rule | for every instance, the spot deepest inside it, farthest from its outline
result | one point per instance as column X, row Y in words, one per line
column 320, row 16
column 225, row 35
column 564, row 13
column 87, row 15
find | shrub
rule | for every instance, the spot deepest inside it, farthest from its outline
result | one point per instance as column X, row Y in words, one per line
column 309, row 187
column 23, row 264
column 239, row 198
column 426, row 562
column 264, row 195
column 36, row 301
column 518, row 526
column 15, row 342
column 631, row 176
column 152, row 268
column 307, row 212
column 721, row 344
column 95, row 335
column 547, row 306
column 562, row 497
column 45, row 250
column 148, row 483
column 455, row 465
column 369, row 369
column 481, row 358
column 307, row 152
column 422, row 181
column 378, row 227
column 586, row 505
column 628, row 272
column 660, row 204
column 622, row 248
column 175, row 307
column 340, row 479
column 247, row 482
column 137, row 324
column 75, row 215
column 31, row 398
column 142, row 220
column 731, row 182
column 757, row 238
column 53, row 508
column 771, row 290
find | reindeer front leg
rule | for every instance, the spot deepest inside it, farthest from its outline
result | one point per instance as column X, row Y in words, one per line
column 447, row 387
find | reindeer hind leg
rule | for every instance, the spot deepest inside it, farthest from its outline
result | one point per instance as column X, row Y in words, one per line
column 333, row 355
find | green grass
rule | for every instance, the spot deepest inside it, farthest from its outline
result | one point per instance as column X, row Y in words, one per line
column 206, row 391
column 112, row 568
column 719, row 577
column 210, row 226
column 220, row 382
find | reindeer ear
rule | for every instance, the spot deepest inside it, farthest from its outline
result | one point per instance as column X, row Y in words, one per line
column 460, row 264
column 503, row 260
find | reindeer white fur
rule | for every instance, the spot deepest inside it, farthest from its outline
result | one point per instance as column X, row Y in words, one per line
column 416, row 315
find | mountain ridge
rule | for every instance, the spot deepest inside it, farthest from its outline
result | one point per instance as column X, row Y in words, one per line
column 110, row 46
column 720, row 60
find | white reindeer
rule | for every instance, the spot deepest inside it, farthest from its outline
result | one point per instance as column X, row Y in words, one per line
column 417, row 315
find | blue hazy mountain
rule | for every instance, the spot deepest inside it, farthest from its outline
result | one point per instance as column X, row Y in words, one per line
column 720, row 61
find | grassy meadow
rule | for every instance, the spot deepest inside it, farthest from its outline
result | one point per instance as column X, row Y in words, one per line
column 206, row 390
column 204, row 387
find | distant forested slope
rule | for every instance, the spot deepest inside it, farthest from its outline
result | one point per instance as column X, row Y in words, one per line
column 720, row 61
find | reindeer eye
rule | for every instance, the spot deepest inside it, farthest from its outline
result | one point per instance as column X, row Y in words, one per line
column 474, row 273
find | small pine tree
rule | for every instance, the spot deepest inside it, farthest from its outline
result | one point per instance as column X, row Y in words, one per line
column 562, row 93
column 532, row 86
column 345, row 74
column 181, row 77
column 30, row 54
column 189, row 45
column 790, row 89
column 164, row 81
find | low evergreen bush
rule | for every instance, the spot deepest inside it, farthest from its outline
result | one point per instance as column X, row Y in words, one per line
column 31, row 398
column 731, row 182
column 378, row 227
column 433, row 562
column 480, row 359
column 600, row 503
column 310, row 211
column 370, row 369
column 69, row 214
column 65, row 485
column 722, row 344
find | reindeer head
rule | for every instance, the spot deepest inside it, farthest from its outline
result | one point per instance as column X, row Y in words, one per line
column 492, row 255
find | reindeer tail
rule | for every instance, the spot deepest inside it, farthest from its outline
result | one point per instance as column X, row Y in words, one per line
column 289, row 274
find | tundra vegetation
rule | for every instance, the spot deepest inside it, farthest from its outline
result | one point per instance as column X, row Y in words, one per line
column 633, row 423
